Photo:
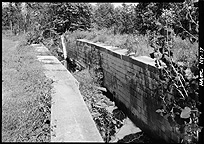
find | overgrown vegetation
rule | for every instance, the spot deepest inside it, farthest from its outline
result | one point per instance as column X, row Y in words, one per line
column 183, row 50
column 108, row 117
column 117, row 26
column 98, row 104
column 26, row 95
column 166, row 31
column 178, row 84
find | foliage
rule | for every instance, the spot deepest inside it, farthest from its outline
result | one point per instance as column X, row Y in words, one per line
column 171, row 27
column 52, row 41
column 178, row 83
column 70, row 16
column 125, row 19
column 184, row 51
column 162, row 23
column 143, row 17
column 107, row 117
column 133, row 43
column 139, row 137
column 104, row 15
column 33, row 37
column 12, row 17
column 57, row 16
column 184, row 17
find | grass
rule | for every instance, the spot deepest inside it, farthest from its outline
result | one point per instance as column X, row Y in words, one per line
column 26, row 94
column 183, row 50
column 137, row 44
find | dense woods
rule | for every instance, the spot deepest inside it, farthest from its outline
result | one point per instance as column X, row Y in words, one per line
column 138, row 18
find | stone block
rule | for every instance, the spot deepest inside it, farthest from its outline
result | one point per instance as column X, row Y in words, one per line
column 134, row 111
column 124, row 101
column 125, row 94
column 139, row 63
column 122, row 69
column 126, row 58
column 138, row 96
column 134, row 102
column 143, row 118
column 163, row 128
column 152, row 69
column 121, row 77
column 118, row 61
column 136, row 67
column 146, row 72
column 175, row 137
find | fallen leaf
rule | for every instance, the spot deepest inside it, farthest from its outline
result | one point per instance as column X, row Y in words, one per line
column 185, row 113
column 111, row 108
column 160, row 111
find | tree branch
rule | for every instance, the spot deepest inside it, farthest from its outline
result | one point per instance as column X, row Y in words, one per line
column 187, row 31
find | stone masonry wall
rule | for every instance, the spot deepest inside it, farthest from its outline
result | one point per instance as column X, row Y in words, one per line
column 132, row 82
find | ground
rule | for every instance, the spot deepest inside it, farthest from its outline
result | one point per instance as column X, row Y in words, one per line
column 25, row 94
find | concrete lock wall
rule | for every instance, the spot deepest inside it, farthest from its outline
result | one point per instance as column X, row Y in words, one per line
column 132, row 81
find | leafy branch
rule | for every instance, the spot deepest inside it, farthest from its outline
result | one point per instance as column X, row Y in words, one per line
column 177, row 89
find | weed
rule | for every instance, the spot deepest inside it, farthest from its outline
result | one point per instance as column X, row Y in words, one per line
column 183, row 50
column 26, row 100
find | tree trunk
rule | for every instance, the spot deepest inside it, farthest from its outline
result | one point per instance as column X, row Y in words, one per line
column 64, row 49
column 11, row 26
column 18, row 28
column 24, row 28
column 25, row 23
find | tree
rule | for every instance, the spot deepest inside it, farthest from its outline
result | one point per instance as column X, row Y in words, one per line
column 14, row 17
column 104, row 15
column 69, row 16
column 124, row 18
column 5, row 18
column 184, row 21
column 9, row 16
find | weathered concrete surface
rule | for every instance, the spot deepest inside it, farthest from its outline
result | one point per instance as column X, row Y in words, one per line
column 128, row 128
column 71, row 120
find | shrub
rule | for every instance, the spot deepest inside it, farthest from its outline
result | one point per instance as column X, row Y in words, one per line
column 100, row 38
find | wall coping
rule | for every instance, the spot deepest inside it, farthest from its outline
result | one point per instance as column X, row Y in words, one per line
column 122, row 53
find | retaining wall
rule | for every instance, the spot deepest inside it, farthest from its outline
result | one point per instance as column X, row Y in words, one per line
column 132, row 81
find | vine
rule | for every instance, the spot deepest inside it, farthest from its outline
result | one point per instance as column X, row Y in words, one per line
column 178, row 84
column 95, row 69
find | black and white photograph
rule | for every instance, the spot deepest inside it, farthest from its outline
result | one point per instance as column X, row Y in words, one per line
column 102, row 72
